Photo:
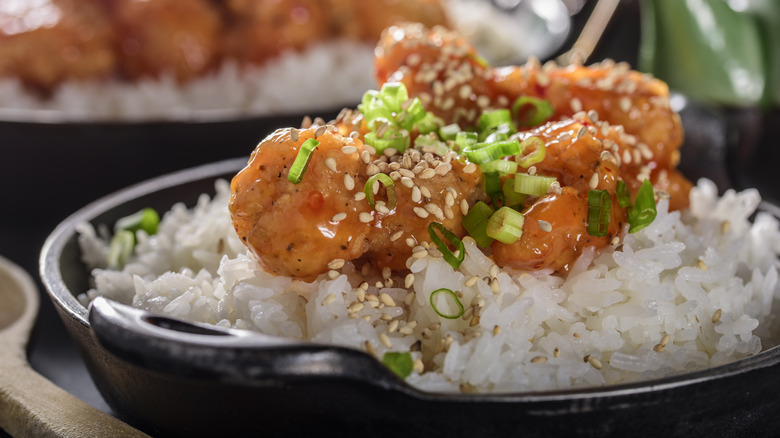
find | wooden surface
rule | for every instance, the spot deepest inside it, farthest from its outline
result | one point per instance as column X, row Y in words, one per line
column 30, row 404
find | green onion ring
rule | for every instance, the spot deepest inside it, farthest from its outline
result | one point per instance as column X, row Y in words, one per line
column 531, row 158
column 475, row 223
column 599, row 206
column 401, row 364
column 301, row 162
column 451, row 294
column 482, row 153
column 383, row 178
column 505, row 225
column 534, row 185
column 531, row 111
column 448, row 255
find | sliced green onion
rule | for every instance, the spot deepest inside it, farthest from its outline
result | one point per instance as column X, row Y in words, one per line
column 431, row 143
column 449, row 132
column 506, row 225
column 413, row 113
column 393, row 94
column 511, row 197
column 492, row 182
column 397, row 141
column 429, row 123
column 121, row 248
column 466, row 139
column 532, row 150
column 531, row 111
column 401, row 364
column 623, row 196
column 503, row 167
column 302, row 161
column 534, row 185
column 449, row 256
column 475, row 223
column 447, row 293
column 643, row 212
column 481, row 153
column 383, row 178
column 491, row 121
column 146, row 219
column 599, row 206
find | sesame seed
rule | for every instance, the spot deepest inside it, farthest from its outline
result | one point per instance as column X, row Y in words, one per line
column 595, row 363
column 329, row 299
column 493, row 271
column 386, row 317
column 407, row 182
column 725, row 227
column 416, row 195
column 576, row 105
column 359, row 196
column 385, row 340
column 539, row 359
column 349, row 183
column 702, row 265
column 365, row 157
column 556, row 352
column 354, row 134
column 494, row 286
column 449, row 199
column 469, row 168
column 658, row 348
column 294, row 134
column 474, row 321
column 365, row 217
column 409, row 298
column 425, row 192
column 427, row 173
column 716, row 316
column 392, row 326
column 397, row 235
column 386, row 272
column 349, row 150
column 336, row 264
column 390, row 152
column 370, row 348
column 555, row 187
column 409, row 280
column 434, row 210
column 532, row 170
column 665, row 339
column 406, row 330
column 420, row 254
column 419, row 366
column 338, row 217
column 544, row 225
column 582, row 131
column 306, row 122
column 333, row 274
column 320, row 131
column 594, row 181
column 421, row 212
column 330, row 163
column 625, row 104
column 356, row 307
column 410, row 242
column 361, row 294
column 372, row 169
column 464, row 207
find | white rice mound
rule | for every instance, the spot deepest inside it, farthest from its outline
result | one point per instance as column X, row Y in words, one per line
column 692, row 290
column 288, row 84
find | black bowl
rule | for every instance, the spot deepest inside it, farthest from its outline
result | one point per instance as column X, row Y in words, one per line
column 170, row 377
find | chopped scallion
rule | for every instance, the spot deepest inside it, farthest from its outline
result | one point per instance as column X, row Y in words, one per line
column 599, row 206
column 503, row 167
column 623, row 196
column 449, row 255
column 506, row 225
column 492, row 182
column 146, row 219
column 301, row 162
column 401, row 364
column 449, row 132
column 475, row 223
column 482, row 153
column 491, row 121
column 511, row 197
column 531, row 111
column 532, row 152
column 383, row 178
column 643, row 212
column 121, row 248
column 447, row 293
column 397, row 141
column 534, row 185
column 466, row 139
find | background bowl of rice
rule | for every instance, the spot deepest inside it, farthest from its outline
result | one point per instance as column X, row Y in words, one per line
column 169, row 377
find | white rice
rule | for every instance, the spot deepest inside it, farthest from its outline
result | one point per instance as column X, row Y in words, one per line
column 603, row 323
column 289, row 84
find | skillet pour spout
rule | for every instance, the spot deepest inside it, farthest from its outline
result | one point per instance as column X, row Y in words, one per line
column 196, row 350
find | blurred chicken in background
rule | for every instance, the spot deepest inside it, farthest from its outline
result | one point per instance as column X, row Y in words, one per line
column 46, row 42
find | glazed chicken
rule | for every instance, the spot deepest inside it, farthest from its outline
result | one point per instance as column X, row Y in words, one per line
column 44, row 43
column 607, row 126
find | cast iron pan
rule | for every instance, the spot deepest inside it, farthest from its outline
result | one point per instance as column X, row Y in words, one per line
column 173, row 378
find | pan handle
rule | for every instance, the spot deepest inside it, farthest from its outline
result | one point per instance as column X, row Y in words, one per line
column 195, row 350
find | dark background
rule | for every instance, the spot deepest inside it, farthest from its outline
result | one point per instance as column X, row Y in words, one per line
column 48, row 171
